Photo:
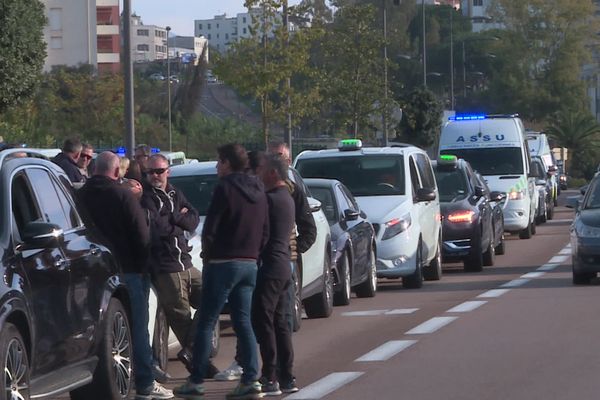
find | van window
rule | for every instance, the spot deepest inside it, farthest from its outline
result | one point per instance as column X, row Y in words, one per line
column 424, row 167
column 414, row 177
column 492, row 161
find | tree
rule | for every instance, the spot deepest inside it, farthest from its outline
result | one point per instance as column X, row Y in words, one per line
column 421, row 118
column 22, row 50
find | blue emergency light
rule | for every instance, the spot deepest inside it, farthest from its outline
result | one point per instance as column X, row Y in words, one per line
column 467, row 117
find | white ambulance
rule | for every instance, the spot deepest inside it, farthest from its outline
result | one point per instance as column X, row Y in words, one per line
column 495, row 145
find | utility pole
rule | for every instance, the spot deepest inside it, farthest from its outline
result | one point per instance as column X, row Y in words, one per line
column 169, row 90
column 288, row 126
column 128, row 80
column 451, row 58
column 385, row 77
column 424, row 48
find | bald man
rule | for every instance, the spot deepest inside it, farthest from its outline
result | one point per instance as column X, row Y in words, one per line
column 119, row 217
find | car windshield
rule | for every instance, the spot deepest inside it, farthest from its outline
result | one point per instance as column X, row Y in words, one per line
column 492, row 161
column 371, row 175
column 452, row 184
column 198, row 189
column 593, row 198
column 325, row 196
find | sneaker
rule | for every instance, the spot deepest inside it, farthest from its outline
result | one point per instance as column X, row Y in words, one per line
column 289, row 387
column 249, row 391
column 269, row 388
column 231, row 373
column 154, row 391
column 190, row 391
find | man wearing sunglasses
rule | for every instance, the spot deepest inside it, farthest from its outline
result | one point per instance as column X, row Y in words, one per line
column 178, row 284
column 85, row 158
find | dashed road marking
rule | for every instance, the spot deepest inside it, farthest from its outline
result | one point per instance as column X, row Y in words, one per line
column 493, row 293
column 386, row 350
column 401, row 311
column 363, row 313
column 548, row 267
column 324, row 386
column 558, row 259
column 533, row 274
column 559, row 221
column 431, row 325
column 515, row 283
column 467, row 306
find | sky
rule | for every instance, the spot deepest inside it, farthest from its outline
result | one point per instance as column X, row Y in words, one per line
column 180, row 14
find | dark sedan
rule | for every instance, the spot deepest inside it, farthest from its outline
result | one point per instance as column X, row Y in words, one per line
column 353, row 240
column 472, row 219
column 585, row 235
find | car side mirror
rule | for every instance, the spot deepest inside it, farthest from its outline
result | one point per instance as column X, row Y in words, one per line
column 533, row 171
column 424, row 194
column 37, row 235
column 314, row 204
column 552, row 169
column 351, row 215
column 479, row 191
column 540, row 182
column 497, row 196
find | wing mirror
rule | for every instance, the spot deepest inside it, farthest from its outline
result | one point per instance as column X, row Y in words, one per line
column 497, row 196
column 424, row 195
column 351, row 215
column 38, row 235
column 314, row 204
column 479, row 191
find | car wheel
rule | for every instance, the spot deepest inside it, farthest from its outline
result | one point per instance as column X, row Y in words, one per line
column 501, row 247
column 112, row 377
column 434, row 271
column 342, row 296
column 297, row 306
column 369, row 287
column 542, row 218
column 582, row 278
column 321, row 304
column 527, row 232
column 215, row 340
column 14, row 357
column 474, row 261
column 489, row 255
column 415, row 280
column 160, row 339
column 551, row 211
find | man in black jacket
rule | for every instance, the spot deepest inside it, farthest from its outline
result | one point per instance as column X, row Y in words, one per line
column 117, row 214
column 235, row 231
column 178, row 284
column 67, row 160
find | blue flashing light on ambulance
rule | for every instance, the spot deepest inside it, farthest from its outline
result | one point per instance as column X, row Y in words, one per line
column 496, row 146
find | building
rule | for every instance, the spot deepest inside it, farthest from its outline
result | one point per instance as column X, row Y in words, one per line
column 183, row 46
column 82, row 32
column 478, row 12
column 148, row 42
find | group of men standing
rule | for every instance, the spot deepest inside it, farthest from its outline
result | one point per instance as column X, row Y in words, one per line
column 246, row 261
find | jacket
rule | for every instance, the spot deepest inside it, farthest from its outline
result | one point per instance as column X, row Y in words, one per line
column 119, row 217
column 169, row 248
column 237, row 221
column 69, row 166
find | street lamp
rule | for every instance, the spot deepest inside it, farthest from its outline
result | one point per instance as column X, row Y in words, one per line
column 385, row 77
column 168, row 28
column 424, row 48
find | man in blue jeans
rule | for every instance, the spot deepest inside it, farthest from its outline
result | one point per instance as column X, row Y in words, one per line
column 235, row 231
column 119, row 217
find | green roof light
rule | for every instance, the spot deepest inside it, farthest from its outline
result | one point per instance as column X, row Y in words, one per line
column 349, row 144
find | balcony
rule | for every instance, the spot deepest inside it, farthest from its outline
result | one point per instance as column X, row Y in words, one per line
column 107, row 30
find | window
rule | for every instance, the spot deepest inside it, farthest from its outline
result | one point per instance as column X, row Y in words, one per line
column 227, row 36
column 492, row 161
column 424, row 168
column 414, row 176
column 208, row 26
column 200, row 26
column 55, row 19
column 24, row 207
column 325, row 196
column 478, row 3
column 244, row 30
column 217, row 35
column 143, row 47
column 49, row 200
column 244, row 20
column 217, row 26
column 209, row 36
column 143, row 32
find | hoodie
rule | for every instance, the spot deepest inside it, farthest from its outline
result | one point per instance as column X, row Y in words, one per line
column 237, row 221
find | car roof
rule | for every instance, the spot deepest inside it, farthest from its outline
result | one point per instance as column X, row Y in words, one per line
column 365, row 151
column 199, row 168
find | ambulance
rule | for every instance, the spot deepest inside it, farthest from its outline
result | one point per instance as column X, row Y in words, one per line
column 496, row 146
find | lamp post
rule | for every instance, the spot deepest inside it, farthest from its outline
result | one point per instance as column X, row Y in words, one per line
column 424, row 47
column 451, row 58
column 128, row 79
column 385, row 77
column 168, row 28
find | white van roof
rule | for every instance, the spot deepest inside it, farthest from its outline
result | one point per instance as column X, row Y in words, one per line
column 481, row 132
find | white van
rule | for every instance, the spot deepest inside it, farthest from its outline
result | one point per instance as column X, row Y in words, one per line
column 539, row 146
column 495, row 146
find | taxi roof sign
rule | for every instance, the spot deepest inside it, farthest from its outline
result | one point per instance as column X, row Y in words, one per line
column 447, row 160
column 349, row 144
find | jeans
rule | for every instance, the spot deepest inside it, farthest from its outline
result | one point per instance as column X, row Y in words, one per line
column 291, row 295
column 138, row 286
column 233, row 280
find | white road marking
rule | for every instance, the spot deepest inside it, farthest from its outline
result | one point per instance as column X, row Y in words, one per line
column 363, row 313
column 386, row 350
column 493, row 293
column 558, row 259
column 324, row 386
column 401, row 311
column 548, row 267
column 431, row 326
column 533, row 274
column 467, row 306
column 565, row 251
column 515, row 283
column 559, row 221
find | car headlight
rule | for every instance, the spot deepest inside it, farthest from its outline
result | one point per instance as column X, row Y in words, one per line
column 587, row 231
column 516, row 195
column 396, row 226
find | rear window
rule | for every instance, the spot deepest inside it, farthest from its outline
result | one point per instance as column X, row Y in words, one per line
column 198, row 189
column 379, row 175
column 452, row 184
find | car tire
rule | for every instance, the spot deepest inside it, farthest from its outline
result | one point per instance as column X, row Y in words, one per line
column 113, row 374
column 551, row 212
column 15, row 359
column 433, row 272
column 474, row 261
column 582, row 278
column 369, row 287
column 527, row 233
column 321, row 304
column 533, row 228
column 489, row 255
column 297, row 306
column 160, row 339
column 342, row 296
column 415, row 280
column 501, row 247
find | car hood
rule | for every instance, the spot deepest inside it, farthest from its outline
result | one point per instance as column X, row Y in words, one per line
column 590, row 217
column 381, row 209
column 450, row 206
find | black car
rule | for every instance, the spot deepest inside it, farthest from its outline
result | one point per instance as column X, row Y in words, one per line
column 63, row 309
column 353, row 240
column 585, row 234
column 472, row 219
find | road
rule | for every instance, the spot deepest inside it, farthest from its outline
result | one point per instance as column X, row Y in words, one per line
column 517, row 330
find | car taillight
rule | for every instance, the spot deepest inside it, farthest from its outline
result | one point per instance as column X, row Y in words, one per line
column 461, row 216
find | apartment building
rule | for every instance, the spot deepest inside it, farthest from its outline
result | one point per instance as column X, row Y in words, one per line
column 148, row 42
column 82, row 32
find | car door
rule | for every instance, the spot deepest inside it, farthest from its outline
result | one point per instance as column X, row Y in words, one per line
column 483, row 205
column 360, row 233
column 48, row 279
column 429, row 210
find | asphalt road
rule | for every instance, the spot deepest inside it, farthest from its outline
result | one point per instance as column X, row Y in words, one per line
column 517, row 330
